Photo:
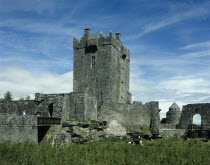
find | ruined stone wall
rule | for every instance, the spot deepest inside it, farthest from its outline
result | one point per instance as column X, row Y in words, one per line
column 18, row 128
column 82, row 107
column 134, row 116
column 190, row 110
column 77, row 104
column 168, row 126
column 65, row 114
column 167, row 133
column 153, row 108
column 17, row 107
column 91, row 108
column 53, row 105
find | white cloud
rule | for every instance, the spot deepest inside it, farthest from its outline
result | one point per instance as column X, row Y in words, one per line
column 200, row 49
column 186, row 84
column 197, row 45
column 46, row 28
column 21, row 82
column 180, row 89
column 198, row 54
column 173, row 18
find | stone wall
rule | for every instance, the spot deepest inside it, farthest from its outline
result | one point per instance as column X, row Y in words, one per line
column 168, row 126
column 82, row 107
column 51, row 104
column 134, row 116
column 65, row 113
column 190, row 110
column 78, row 107
column 18, row 128
column 171, row 133
column 17, row 107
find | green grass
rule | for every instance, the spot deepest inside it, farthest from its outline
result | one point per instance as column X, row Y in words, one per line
column 159, row 152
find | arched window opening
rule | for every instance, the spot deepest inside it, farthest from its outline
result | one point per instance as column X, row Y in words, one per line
column 123, row 56
column 197, row 120
column 75, row 111
column 50, row 108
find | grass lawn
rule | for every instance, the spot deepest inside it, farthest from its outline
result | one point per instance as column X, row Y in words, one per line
column 165, row 152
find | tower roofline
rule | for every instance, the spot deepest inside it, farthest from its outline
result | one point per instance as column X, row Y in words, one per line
column 100, row 40
column 174, row 106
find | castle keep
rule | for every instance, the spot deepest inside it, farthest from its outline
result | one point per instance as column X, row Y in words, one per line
column 102, row 67
column 100, row 96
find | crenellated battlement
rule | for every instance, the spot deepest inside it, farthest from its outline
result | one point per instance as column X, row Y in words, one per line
column 97, row 40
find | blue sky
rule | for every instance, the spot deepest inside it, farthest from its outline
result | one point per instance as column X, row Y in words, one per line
column 169, row 43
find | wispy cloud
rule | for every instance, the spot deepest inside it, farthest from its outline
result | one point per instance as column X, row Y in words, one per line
column 198, row 54
column 45, row 52
column 172, row 19
column 200, row 49
column 50, row 28
column 187, row 84
column 199, row 45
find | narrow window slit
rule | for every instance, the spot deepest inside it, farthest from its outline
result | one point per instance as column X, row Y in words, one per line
column 93, row 63
column 101, row 97
column 75, row 110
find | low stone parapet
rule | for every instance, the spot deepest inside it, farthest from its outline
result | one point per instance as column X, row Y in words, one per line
column 171, row 132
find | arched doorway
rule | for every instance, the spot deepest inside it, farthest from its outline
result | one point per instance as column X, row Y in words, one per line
column 197, row 120
column 196, row 126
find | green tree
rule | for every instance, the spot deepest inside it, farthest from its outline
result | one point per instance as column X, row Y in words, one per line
column 8, row 96
column 21, row 99
column 27, row 97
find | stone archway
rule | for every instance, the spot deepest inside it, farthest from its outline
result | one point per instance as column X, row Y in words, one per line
column 190, row 110
column 197, row 119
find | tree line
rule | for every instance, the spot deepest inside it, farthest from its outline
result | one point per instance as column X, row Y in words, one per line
column 9, row 97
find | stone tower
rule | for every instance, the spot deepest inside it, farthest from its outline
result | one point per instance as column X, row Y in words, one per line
column 102, row 68
column 173, row 115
